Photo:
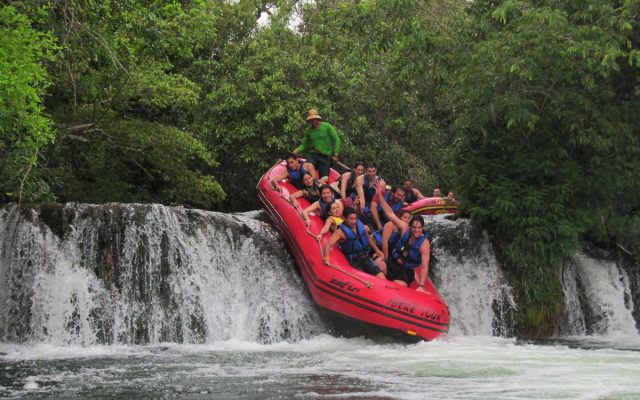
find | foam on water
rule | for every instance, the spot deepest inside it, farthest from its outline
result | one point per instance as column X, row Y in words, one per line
column 478, row 367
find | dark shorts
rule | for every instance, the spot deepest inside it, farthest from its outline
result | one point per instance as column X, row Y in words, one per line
column 367, row 265
column 397, row 272
column 321, row 162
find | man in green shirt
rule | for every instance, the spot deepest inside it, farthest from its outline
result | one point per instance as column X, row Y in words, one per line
column 322, row 143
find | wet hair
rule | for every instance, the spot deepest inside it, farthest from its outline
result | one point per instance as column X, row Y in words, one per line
column 323, row 187
column 291, row 155
column 348, row 211
column 395, row 189
column 417, row 218
column 372, row 164
column 408, row 179
column 403, row 212
column 358, row 164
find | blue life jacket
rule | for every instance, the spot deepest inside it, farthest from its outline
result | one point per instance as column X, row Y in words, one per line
column 413, row 259
column 356, row 246
column 393, row 239
column 296, row 176
column 410, row 196
column 324, row 207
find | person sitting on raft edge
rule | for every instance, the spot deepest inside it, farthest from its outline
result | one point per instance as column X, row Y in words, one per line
column 322, row 142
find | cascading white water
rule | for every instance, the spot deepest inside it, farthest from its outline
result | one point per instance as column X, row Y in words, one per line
column 469, row 279
column 597, row 291
column 118, row 273
column 147, row 274
column 572, row 322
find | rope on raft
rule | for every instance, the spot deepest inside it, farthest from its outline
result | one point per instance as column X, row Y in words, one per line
column 367, row 284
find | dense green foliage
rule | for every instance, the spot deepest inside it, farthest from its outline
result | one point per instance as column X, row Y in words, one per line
column 24, row 128
column 527, row 108
column 548, row 143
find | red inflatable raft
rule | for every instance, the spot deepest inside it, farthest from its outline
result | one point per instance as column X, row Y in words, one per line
column 342, row 288
column 432, row 206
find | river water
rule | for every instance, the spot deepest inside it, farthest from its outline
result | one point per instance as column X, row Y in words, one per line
column 151, row 302
column 326, row 367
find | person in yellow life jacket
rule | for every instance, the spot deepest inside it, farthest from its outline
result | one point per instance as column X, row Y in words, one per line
column 334, row 221
column 321, row 142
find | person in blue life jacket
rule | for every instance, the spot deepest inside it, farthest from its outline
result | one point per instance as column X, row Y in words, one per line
column 355, row 242
column 310, row 190
column 321, row 206
column 296, row 169
column 412, row 251
column 395, row 199
column 367, row 184
column 321, row 142
column 411, row 194
column 387, row 238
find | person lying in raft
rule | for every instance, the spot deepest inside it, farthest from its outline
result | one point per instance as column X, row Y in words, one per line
column 411, row 194
column 310, row 190
column 355, row 242
column 412, row 250
column 395, row 199
column 389, row 236
column 334, row 220
column 322, row 205
column 296, row 169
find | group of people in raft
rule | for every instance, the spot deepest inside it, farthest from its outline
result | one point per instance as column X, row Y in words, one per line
column 366, row 220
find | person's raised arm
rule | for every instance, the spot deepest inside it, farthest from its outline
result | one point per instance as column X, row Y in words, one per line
column 425, row 251
column 373, row 207
column 305, row 213
column 388, row 229
column 403, row 226
column 337, row 236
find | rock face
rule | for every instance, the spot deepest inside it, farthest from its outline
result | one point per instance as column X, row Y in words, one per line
column 117, row 273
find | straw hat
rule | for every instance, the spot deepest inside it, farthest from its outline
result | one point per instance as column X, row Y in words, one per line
column 313, row 114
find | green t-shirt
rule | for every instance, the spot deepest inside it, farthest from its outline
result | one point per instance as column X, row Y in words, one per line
column 323, row 140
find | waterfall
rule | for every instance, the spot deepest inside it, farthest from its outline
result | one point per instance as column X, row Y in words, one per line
column 80, row 274
column 469, row 278
column 598, row 299
column 119, row 274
